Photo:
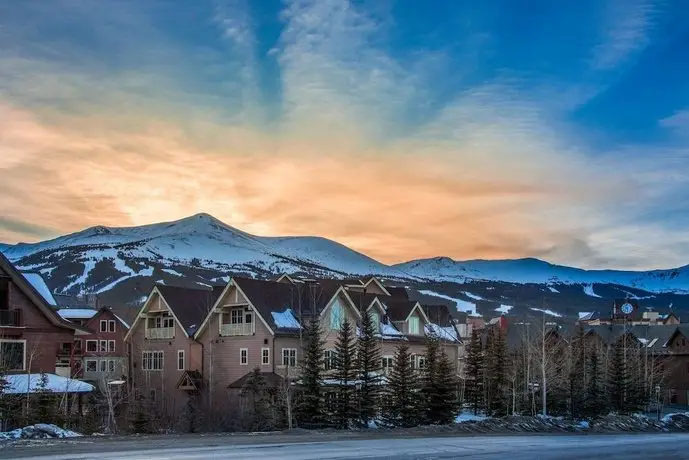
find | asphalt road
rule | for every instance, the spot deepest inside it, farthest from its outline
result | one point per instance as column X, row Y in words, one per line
column 628, row 447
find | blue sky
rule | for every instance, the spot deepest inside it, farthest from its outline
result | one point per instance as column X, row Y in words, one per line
column 403, row 129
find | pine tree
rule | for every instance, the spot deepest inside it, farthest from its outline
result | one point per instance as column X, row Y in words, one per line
column 311, row 407
column 474, row 374
column 345, row 376
column 618, row 377
column 369, row 366
column 439, row 387
column 578, row 373
column 496, row 373
column 255, row 390
column 402, row 393
column 596, row 401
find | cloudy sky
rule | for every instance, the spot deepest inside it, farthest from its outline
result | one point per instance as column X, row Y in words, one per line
column 401, row 128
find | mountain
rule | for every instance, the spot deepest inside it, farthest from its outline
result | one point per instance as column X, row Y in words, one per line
column 122, row 264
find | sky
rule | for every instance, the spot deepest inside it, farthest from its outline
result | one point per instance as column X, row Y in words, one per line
column 403, row 129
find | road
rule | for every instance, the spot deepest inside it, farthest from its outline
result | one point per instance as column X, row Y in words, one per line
column 567, row 447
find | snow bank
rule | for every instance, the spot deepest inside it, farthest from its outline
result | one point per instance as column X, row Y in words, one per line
column 38, row 431
column 466, row 417
column 285, row 319
column 20, row 383
column 39, row 285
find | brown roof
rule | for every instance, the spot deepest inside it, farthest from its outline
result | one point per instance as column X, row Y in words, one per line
column 397, row 292
column 398, row 310
column 272, row 379
column 33, row 295
column 190, row 305
column 125, row 313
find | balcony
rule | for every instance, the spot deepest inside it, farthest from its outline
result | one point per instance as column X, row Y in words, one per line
column 64, row 349
column 160, row 333
column 11, row 318
column 237, row 329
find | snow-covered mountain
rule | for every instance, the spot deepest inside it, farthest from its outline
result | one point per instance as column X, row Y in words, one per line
column 122, row 264
column 536, row 271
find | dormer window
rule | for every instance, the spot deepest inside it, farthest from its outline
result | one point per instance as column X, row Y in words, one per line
column 375, row 319
column 414, row 326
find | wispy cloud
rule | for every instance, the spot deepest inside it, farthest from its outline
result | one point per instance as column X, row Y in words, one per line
column 495, row 171
column 626, row 29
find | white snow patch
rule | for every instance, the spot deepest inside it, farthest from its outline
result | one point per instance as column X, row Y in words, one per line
column 23, row 383
column 77, row 313
column 552, row 289
column 88, row 266
column 285, row 319
column 171, row 271
column 588, row 290
column 548, row 312
column 388, row 330
column 462, row 305
column 466, row 417
column 38, row 431
column 473, row 296
column 504, row 309
column 585, row 315
column 446, row 333
column 39, row 285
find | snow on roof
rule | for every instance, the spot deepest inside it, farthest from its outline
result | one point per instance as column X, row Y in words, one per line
column 37, row 281
column 77, row 313
column 585, row 315
column 124, row 323
column 285, row 319
column 20, row 383
column 388, row 330
column 446, row 333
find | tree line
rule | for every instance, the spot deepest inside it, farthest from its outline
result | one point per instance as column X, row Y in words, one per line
column 550, row 374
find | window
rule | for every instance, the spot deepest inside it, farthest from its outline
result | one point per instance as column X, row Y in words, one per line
column 111, row 325
column 91, row 365
column 160, row 321
column 329, row 360
column 103, row 346
column 243, row 356
column 336, row 316
column 104, row 326
column 111, row 346
column 237, row 316
column 289, row 357
column 421, row 362
column 111, row 365
column 265, row 356
column 13, row 355
column 412, row 361
column 181, row 365
column 375, row 319
column 92, row 345
column 103, row 365
column 387, row 362
column 152, row 361
column 414, row 325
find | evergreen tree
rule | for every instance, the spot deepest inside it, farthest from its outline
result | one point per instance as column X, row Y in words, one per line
column 439, row 386
column 473, row 393
column 369, row 366
column 596, row 401
column 618, row 376
column 578, row 374
column 345, row 376
column 255, row 391
column 496, row 373
column 402, row 392
column 311, row 408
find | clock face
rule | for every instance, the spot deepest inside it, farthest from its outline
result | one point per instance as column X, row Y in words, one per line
column 627, row 308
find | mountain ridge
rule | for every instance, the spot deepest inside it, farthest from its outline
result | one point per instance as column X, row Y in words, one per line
column 122, row 263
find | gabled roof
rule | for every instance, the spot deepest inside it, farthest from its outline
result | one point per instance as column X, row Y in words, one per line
column 30, row 291
column 189, row 305
column 401, row 310
column 272, row 380
column 125, row 314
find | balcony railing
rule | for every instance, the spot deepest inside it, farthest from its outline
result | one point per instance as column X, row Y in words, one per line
column 160, row 333
column 237, row 329
column 11, row 318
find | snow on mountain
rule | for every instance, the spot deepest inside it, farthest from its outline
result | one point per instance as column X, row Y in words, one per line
column 529, row 270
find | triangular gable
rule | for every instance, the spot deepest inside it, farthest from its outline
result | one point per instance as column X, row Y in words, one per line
column 416, row 307
column 144, row 308
column 190, row 381
column 672, row 337
column 375, row 302
column 377, row 283
column 343, row 291
column 36, row 298
column 230, row 284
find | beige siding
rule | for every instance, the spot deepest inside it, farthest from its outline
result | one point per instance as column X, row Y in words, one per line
column 330, row 335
